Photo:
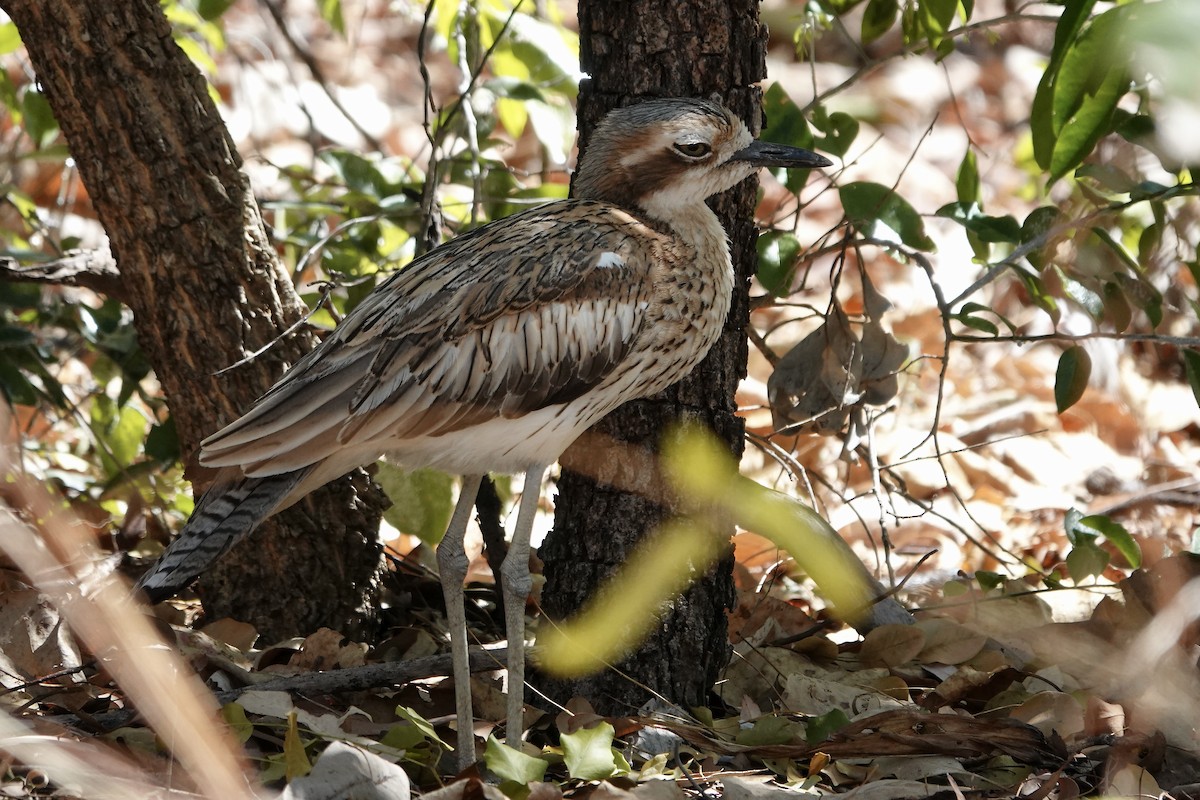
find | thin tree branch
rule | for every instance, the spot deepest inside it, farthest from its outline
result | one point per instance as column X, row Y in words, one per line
column 90, row 269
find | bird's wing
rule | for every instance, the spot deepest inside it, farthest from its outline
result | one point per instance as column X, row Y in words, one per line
column 527, row 312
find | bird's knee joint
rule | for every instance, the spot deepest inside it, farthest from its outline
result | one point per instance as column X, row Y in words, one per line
column 514, row 577
column 452, row 561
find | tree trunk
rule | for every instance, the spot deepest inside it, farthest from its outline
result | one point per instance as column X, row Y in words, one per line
column 205, row 286
column 634, row 49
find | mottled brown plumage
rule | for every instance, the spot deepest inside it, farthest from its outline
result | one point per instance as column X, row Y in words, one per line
column 495, row 351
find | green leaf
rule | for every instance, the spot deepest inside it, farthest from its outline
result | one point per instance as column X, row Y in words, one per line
column 966, row 315
column 784, row 123
column 1074, row 369
column 1041, row 122
column 1116, row 535
column 423, row 725
column 1085, row 561
column 1039, row 222
column 768, row 731
column 878, row 19
column 1091, row 78
column 985, row 227
column 588, row 753
column 213, row 9
column 821, row 728
column 1091, row 302
column 512, row 765
column 15, row 387
column 966, row 182
column 39, row 120
column 936, row 17
column 1191, row 362
column 988, row 580
column 235, row 717
column 777, row 252
column 881, row 213
column 422, row 500
column 162, row 443
column 10, row 38
column 840, row 130
column 331, row 12
column 295, row 759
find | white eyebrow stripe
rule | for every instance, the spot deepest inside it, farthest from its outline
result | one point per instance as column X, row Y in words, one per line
column 608, row 260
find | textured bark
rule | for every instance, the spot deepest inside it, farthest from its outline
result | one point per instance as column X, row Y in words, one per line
column 198, row 271
column 634, row 49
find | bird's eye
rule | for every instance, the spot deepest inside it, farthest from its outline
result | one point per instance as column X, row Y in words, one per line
column 693, row 149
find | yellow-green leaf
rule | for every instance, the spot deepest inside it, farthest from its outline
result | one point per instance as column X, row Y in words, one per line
column 588, row 753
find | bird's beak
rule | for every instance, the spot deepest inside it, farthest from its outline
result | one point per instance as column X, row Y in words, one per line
column 768, row 154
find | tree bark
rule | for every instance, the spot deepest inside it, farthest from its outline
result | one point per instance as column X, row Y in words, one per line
column 634, row 49
column 205, row 286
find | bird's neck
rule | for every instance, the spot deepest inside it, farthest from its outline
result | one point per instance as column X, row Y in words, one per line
column 694, row 224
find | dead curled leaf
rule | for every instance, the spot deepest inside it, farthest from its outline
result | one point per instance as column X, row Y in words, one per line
column 824, row 381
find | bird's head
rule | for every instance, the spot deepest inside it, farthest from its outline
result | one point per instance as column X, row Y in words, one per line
column 664, row 156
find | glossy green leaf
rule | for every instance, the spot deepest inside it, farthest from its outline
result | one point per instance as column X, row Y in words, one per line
column 509, row 764
column 1071, row 379
column 588, row 753
column 784, row 123
column 1116, row 535
column 1041, row 122
column 881, row 213
column 936, row 18
column 1039, row 223
column 878, row 19
column 986, row 228
column 1090, row 80
column 839, row 129
column 777, row 252
column 1081, row 293
column 966, row 315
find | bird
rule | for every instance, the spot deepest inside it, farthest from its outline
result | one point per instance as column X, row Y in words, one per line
column 494, row 351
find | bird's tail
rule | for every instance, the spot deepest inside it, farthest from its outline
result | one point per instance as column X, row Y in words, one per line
column 225, row 515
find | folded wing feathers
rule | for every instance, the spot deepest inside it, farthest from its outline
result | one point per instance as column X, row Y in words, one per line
column 532, row 311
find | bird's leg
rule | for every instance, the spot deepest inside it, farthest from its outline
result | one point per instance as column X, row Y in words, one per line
column 452, row 566
column 514, row 576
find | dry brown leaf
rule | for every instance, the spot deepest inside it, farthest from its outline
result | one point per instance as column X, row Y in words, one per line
column 1052, row 712
column 891, row 645
column 948, row 642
